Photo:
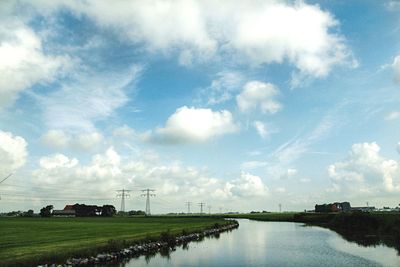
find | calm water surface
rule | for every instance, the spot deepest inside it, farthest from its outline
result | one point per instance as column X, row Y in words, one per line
column 273, row 244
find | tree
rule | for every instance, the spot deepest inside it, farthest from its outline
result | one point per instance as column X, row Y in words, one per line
column 108, row 211
column 46, row 211
column 28, row 213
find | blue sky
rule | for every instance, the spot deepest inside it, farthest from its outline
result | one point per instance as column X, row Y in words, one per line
column 242, row 105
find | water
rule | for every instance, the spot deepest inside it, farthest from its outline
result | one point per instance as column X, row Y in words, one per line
column 273, row 244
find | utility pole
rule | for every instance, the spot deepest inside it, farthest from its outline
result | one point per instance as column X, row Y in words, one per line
column 201, row 204
column 8, row 176
column 220, row 210
column 188, row 204
column 147, row 194
column 280, row 207
column 209, row 210
column 123, row 194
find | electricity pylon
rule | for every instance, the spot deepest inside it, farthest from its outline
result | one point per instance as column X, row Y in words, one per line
column 188, row 204
column 201, row 204
column 147, row 194
column 123, row 194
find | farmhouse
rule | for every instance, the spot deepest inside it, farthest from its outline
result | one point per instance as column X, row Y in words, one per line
column 82, row 210
column 333, row 207
column 64, row 213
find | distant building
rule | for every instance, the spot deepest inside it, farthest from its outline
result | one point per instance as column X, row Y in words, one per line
column 333, row 207
column 363, row 209
column 82, row 210
column 64, row 213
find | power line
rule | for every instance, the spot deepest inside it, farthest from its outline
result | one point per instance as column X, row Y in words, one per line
column 188, row 206
column 8, row 176
column 201, row 204
column 123, row 194
column 148, row 195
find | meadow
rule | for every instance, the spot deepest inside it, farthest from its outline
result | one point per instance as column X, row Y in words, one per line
column 30, row 241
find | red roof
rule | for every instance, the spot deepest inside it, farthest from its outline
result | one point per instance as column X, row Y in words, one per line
column 69, row 207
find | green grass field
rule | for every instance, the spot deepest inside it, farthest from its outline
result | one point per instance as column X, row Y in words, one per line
column 29, row 241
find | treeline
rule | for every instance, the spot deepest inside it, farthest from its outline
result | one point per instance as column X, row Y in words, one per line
column 19, row 213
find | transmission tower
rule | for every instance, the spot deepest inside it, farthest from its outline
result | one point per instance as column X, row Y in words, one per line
column 209, row 210
column 123, row 194
column 201, row 204
column 188, row 204
column 280, row 207
column 147, row 194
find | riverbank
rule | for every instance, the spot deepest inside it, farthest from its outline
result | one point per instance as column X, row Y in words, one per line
column 34, row 241
column 363, row 228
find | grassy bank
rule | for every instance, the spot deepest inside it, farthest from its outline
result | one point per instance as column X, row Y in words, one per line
column 363, row 228
column 30, row 241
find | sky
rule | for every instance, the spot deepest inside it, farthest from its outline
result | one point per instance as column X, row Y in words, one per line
column 242, row 105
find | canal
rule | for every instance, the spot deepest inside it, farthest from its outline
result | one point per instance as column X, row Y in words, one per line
column 272, row 244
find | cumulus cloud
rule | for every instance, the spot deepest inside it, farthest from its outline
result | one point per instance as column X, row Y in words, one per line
column 248, row 185
column 258, row 95
column 174, row 182
column 366, row 171
column 59, row 139
column 23, row 61
column 13, row 152
column 252, row 32
column 57, row 161
column 189, row 125
column 396, row 69
column 55, row 139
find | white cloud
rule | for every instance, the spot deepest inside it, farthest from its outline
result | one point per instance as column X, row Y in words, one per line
column 280, row 190
column 124, row 132
column 55, row 139
column 261, row 129
column 223, row 87
column 392, row 5
column 56, row 161
column 256, row 33
column 398, row 147
column 258, row 95
column 299, row 33
column 23, row 61
column 13, row 152
column 174, row 182
column 59, row 139
column 396, row 69
column 248, row 185
column 248, row 165
column 188, row 125
column 392, row 116
column 289, row 173
column 366, row 171
column 88, row 141
column 78, row 105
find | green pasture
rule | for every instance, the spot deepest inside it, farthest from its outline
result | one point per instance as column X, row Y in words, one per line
column 29, row 241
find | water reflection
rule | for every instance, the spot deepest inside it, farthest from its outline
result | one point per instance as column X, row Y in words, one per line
column 273, row 244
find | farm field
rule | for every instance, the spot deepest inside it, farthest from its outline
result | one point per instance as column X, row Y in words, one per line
column 30, row 241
